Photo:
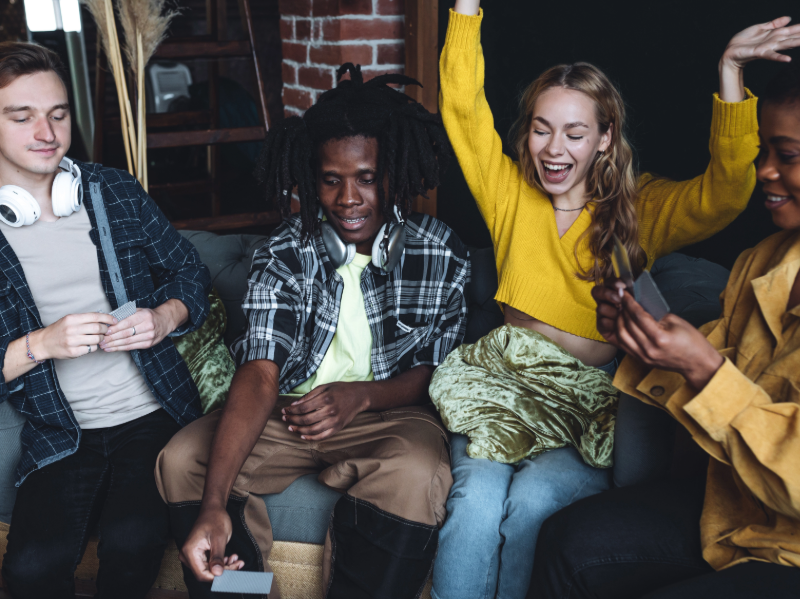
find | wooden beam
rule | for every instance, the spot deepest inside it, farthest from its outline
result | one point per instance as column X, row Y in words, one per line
column 178, row 139
column 193, row 49
column 422, row 63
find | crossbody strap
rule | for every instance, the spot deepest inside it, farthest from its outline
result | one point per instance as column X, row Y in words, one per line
column 107, row 244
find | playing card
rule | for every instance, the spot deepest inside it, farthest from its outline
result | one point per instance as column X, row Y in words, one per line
column 649, row 297
column 621, row 263
column 236, row 581
column 124, row 311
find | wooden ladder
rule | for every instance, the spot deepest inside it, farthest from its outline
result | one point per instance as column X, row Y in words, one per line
column 209, row 46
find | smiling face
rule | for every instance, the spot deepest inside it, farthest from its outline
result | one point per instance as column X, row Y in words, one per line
column 34, row 124
column 779, row 162
column 348, row 189
column 564, row 140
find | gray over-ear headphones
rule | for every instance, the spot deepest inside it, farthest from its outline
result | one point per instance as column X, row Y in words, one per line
column 18, row 207
column 387, row 249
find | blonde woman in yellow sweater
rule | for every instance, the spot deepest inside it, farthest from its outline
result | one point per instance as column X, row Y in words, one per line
column 552, row 216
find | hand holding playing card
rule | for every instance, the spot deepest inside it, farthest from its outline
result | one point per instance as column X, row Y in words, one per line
column 669, row 344
column 145, row 328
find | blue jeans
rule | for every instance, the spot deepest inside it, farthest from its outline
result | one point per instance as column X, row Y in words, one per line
column 494, row 512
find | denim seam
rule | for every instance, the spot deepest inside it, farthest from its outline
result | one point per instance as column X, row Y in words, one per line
column 333, row 555
column 597, row 472
column 249, row 534
column 389, row 515
column 623, row 560
column 86, row 520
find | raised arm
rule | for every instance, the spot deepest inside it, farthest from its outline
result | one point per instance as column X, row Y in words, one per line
column 675, row 214
column 252, row 397
column 467, row 116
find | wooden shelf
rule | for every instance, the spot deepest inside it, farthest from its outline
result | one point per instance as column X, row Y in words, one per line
column 177, row 139
column 190, row 49
column 194, row 187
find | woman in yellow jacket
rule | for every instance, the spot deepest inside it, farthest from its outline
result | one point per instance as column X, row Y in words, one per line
column 735, row 532
column 552, row 216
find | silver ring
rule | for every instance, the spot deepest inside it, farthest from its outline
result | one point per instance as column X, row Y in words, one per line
column 134, row 332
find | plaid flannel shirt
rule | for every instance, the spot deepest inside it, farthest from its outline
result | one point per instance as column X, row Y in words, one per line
column 417, row 313
column 147, row 247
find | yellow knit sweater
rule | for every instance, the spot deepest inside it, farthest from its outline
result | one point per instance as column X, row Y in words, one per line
column 537, row 268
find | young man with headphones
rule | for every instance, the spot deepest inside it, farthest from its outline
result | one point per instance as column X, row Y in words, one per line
column 101, row 396
column 351, row 305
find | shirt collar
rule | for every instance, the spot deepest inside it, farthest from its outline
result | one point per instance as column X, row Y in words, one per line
column 772, row 289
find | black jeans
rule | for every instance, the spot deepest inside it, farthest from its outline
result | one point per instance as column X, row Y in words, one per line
column 109, row 481
column 644, row 541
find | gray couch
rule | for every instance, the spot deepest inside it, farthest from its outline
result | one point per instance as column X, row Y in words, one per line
column 301, row 513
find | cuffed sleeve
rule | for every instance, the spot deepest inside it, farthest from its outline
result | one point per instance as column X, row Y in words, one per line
column 270, row 306
column 7, row 387
column 177, row 265
column 760, row 439
column 448, row 330
column 674, row 214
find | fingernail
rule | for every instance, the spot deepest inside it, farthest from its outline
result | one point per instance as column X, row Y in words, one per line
column 283, row 418
column 302, row 436
column 283, row 410
column 295, row 402
column 621, row 292
column 291, row 429
column 116, row 321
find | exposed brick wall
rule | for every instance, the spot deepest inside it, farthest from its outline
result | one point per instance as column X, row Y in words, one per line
column 319, row 35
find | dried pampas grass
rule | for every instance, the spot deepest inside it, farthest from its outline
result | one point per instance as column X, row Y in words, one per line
column 103, row 14
column 145, row 24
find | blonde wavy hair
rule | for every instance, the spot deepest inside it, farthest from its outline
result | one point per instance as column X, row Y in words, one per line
column 611, row 181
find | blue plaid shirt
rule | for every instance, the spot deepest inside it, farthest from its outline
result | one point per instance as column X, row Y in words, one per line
column 417, row 314
column 147, row 248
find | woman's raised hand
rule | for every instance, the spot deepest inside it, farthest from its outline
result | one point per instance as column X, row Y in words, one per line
column 468, row 7
column 766, row 40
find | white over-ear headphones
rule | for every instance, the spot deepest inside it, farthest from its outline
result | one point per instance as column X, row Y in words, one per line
column 18, row 207
column 387, row 249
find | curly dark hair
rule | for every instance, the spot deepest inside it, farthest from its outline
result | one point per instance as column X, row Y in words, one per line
column 412, row 144
column 784, row 88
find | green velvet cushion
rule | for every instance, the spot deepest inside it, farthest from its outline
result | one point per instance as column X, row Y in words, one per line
column 209, row 361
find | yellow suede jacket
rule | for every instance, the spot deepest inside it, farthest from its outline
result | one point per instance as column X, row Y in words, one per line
column 537, row 268
column 748, row 416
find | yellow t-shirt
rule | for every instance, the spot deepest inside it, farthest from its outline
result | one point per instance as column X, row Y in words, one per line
column 349, row 356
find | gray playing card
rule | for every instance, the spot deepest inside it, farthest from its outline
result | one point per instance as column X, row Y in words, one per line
column 649, row 297
column 124, row 311
column 236, row 581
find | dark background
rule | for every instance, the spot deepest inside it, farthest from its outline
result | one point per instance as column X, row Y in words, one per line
column 662, row 55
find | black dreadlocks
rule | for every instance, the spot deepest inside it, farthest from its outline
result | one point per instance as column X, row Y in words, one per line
column 412, row 144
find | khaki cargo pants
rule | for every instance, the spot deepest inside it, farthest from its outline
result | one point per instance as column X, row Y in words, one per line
column 393, row 468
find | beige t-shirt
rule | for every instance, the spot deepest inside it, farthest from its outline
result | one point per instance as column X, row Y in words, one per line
column 63, row 273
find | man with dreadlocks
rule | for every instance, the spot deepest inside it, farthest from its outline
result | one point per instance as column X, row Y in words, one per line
column 344, row 330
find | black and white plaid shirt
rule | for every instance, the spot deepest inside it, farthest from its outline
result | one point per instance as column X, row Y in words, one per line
column 147, row 246
column 417, row 313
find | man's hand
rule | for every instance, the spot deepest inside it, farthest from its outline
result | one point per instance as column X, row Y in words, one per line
column 671, row 344
column 146, row 328
column 204, row 550
column 72, row 336
column 766, row 40
column 326, row 410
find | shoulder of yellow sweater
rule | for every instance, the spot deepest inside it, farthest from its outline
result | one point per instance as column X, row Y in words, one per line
column 424, row 231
